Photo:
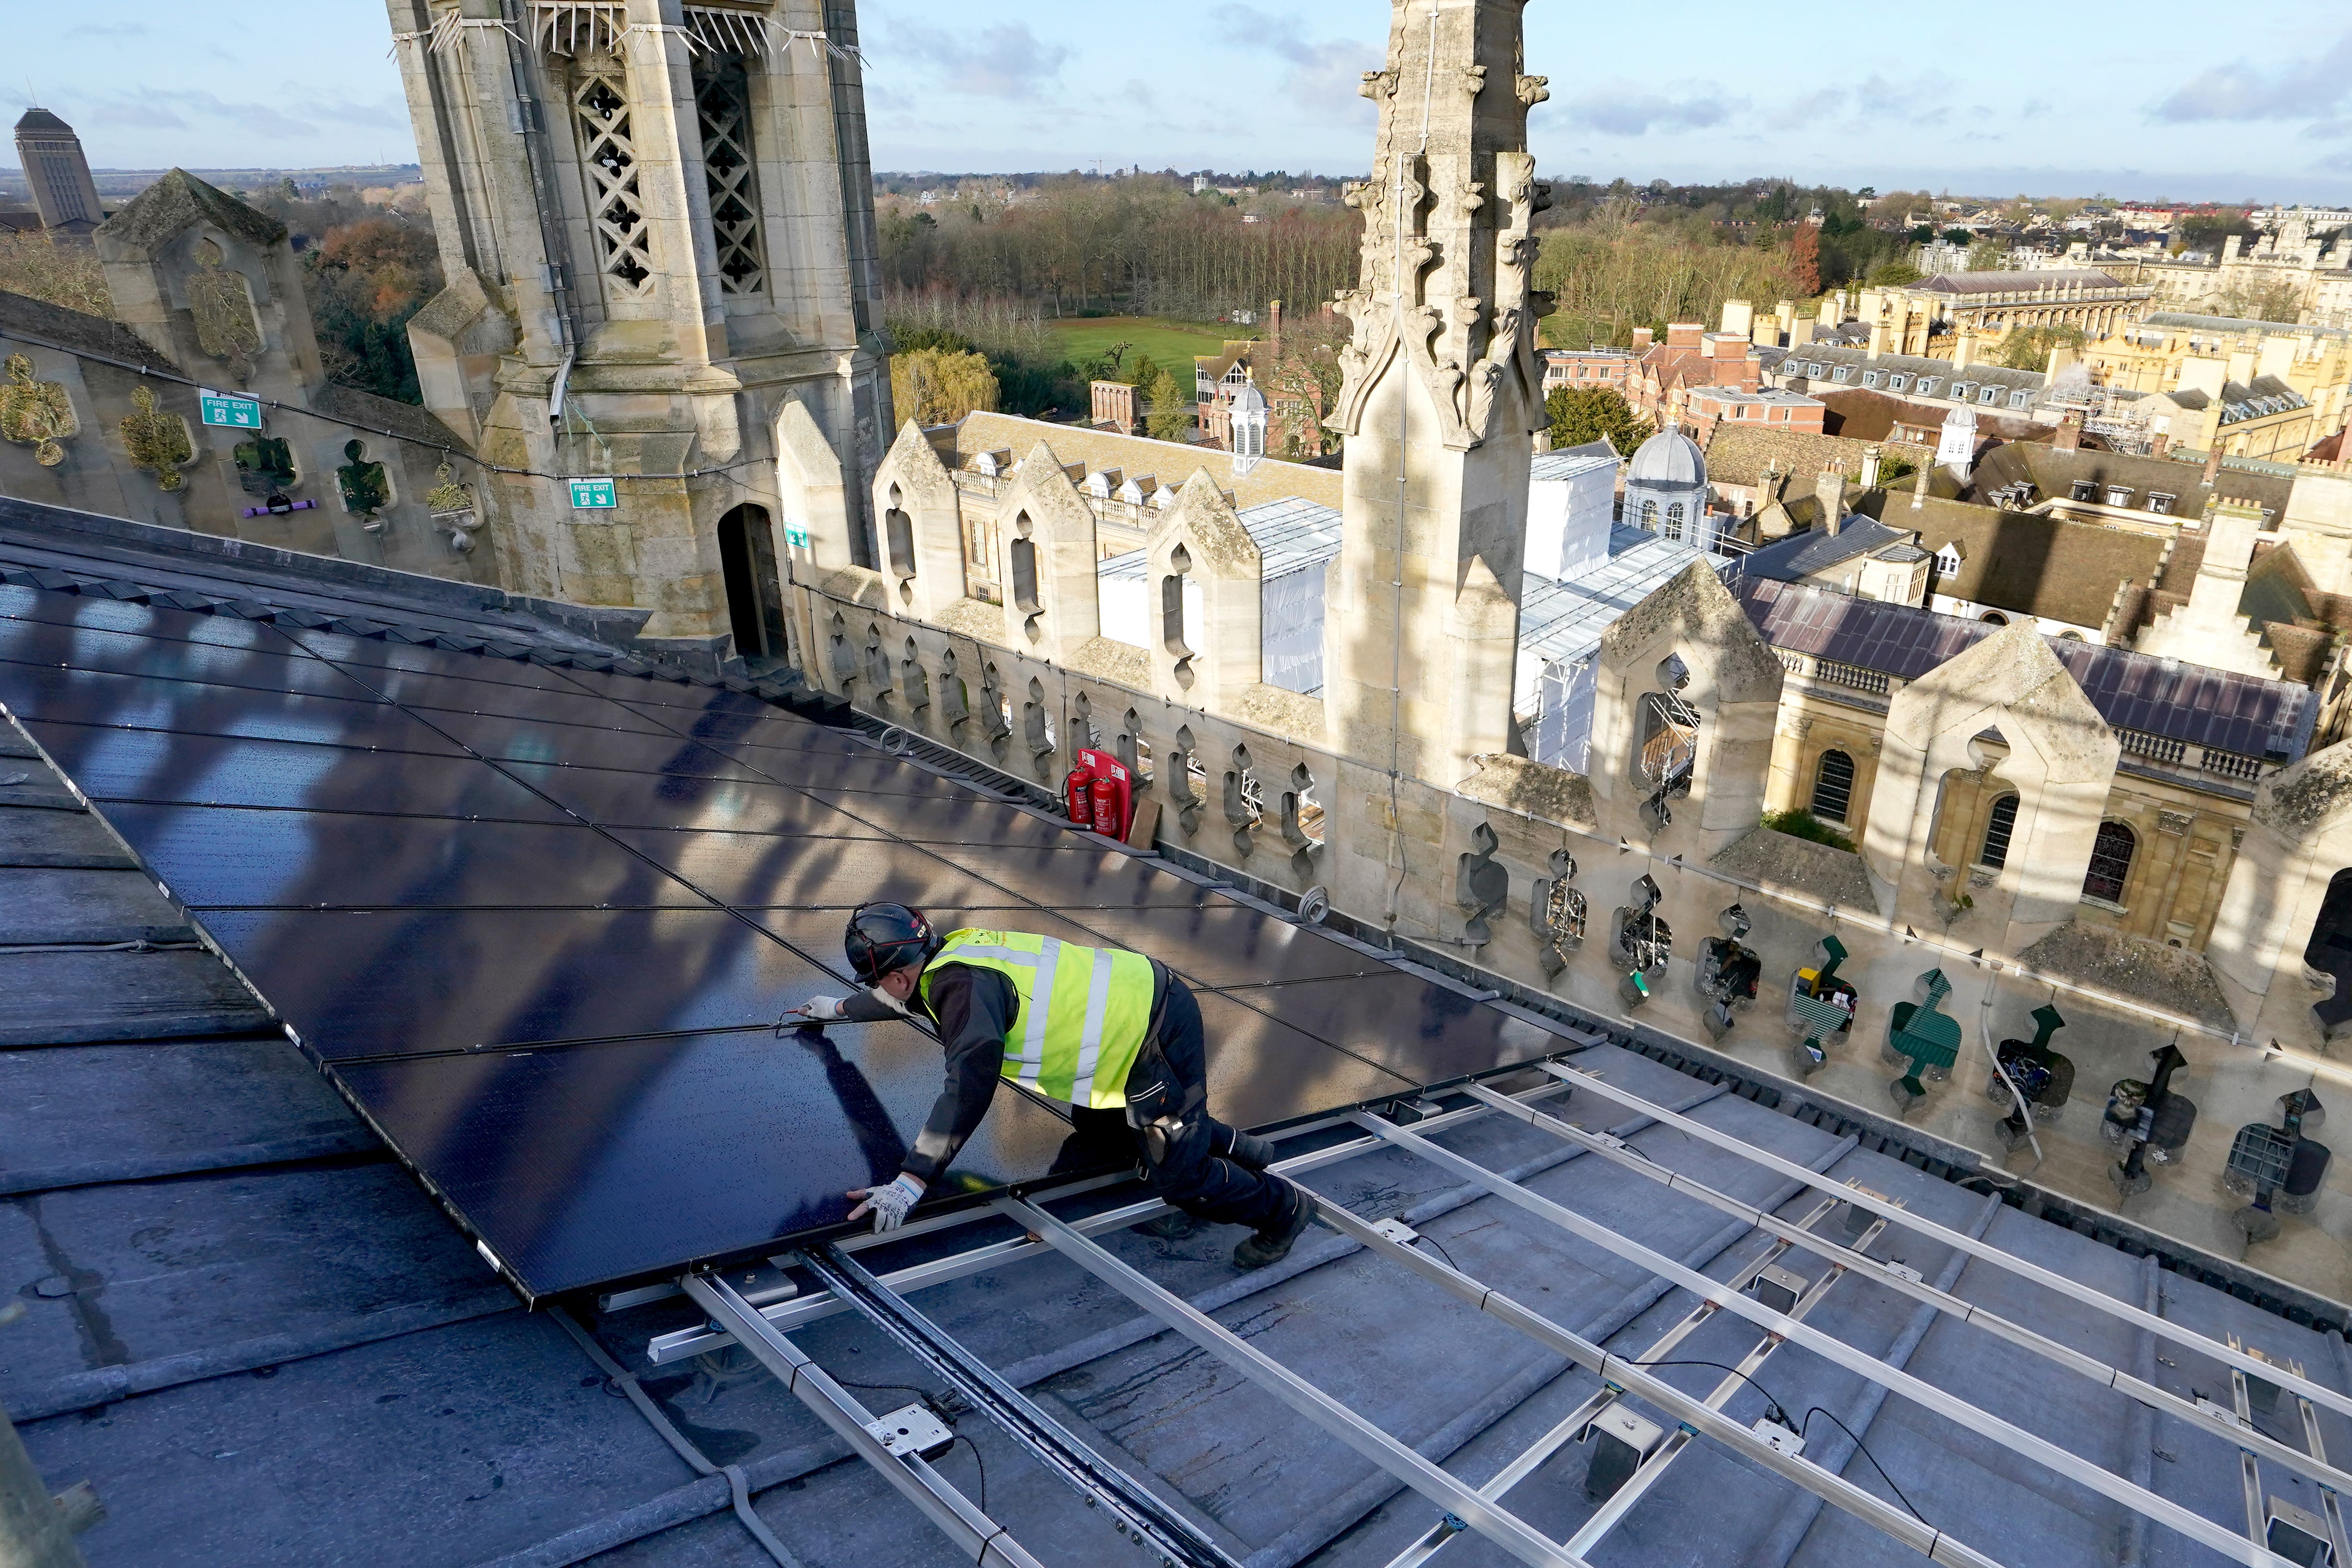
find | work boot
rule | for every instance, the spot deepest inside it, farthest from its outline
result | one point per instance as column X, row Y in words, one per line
column 1251, row 1151
column 1272, row 1244
column 1173, row 1225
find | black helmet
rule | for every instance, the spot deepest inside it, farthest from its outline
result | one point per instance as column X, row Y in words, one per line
column 887, row 936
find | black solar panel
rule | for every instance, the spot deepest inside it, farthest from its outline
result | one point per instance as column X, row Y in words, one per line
column 481, row 911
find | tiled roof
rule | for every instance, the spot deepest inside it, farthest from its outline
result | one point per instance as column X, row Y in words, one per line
column 2052, row 473
column 1736, row 454
column 1172, row 461
column 2032, row 565
column 2189, row 703
column 73, row 329
column 1866, row 415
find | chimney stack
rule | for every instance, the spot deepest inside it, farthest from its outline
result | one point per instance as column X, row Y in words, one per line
column 1829, row 490
column 1641, row 339
column 1919, row 490
column 2070, row 432
column 2212, row 466
column 1273, row 326
column 1964, row 352
column 2163, row 443
column 1870, row 460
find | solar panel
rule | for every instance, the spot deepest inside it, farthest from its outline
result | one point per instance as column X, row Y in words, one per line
column 242, row 770
column 593, row 1164
column 539, row 1010
column 407, row 982
column 213, row 856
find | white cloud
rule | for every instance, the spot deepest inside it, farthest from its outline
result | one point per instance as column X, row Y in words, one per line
column 2300, row 89
column 1004, row 61
column 1325, row 76
column 1620, row 108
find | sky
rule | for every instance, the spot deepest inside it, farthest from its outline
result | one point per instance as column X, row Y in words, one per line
column 2000, row 98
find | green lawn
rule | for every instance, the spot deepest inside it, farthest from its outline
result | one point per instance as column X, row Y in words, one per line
column 1171, row 344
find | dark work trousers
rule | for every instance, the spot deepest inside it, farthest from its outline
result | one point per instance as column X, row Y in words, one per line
column 1190, row 1172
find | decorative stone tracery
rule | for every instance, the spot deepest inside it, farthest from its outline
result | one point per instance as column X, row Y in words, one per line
column 608, row 155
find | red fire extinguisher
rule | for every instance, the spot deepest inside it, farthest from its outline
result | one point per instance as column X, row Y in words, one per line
column 1107, row 812
column 1114, row 792
column 1078, row 793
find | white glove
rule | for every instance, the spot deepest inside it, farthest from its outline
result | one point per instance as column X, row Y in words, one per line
column 817, row 1009
column 888, row 1204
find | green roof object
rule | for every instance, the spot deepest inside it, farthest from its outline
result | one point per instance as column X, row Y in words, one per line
column 2046, row 1022
column 1832, row 955
column 1921, row 1032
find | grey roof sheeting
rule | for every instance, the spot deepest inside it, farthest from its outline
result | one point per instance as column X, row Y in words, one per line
column 2189, row 703
column 1817, row 550
column 1289, row 533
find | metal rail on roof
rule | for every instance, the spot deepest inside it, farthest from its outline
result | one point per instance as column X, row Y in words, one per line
column 1102, row 1483
column 2009, row 1435
column 2088, row 1366
column 1498, row 1525
column 1572, row 1428
column 1625, row 1376
column 979, row 1537
column 797, row 1311
column 2049, row 1279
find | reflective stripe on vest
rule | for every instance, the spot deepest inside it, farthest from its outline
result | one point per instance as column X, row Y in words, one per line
column 1081, row 1015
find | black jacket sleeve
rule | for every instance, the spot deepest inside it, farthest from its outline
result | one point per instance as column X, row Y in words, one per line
column 974, row 1007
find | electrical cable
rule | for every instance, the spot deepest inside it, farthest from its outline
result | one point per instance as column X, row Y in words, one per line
column 1863, row 1449
column 1442, row 1252
column 982, row 1466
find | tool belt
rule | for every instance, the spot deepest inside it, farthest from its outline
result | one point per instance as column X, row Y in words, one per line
column 1157, row 1105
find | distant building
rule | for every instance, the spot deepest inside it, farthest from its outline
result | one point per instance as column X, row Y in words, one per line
column 2299, row 257
column 1608, row 368
column 1664, row 374
column 2260, row 389
column 57, row 173
column 1705, row 407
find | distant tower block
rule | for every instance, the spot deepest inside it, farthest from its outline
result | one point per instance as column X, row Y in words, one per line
column 57, row 173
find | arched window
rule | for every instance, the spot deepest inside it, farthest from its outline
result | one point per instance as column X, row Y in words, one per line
column 2111, row 858
column 1998, row 828
column 1833, row 786
column 1675, row 520
column 1994, row 618
column 1649, row 516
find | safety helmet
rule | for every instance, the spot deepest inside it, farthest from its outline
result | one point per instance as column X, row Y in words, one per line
column 887, row 936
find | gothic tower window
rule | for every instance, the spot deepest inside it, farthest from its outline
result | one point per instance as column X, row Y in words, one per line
column 722, row 101
column 608, row 153
column 1998, row 827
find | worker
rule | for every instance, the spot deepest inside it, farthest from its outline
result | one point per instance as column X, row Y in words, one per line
column 1111, row 1033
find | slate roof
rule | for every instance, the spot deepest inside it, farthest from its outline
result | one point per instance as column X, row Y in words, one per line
column 2029, row 565
column 1174, row 461
column 1736, row 454
column 2050, row 280
column 1818, row 550
column 1861, row 414
column 2189, row 703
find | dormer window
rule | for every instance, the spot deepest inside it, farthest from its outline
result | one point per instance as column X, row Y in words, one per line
column 2161, row 503
column 1927, row 385
column 1948, row 562
column 2083, row 490
column 1845, row 372
column 1961, row 390
column 1870, row 377
column 2019, row 399
column 1897, row 381
column 1988, row 395
column 2117, row 496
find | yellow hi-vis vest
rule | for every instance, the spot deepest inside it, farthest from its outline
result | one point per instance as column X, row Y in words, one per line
column 1082, row 1015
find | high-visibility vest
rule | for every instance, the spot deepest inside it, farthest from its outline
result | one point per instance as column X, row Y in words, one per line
column 1082, row 1015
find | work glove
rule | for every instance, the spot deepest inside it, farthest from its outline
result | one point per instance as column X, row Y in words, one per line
column 816, row 1010
column 889, row 1205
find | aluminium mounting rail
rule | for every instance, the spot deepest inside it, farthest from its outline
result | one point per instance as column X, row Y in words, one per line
column 2332, row 1508
column 1570, row 1428
column 2073, row 1290
column 976, row 1535
column 2188, row 1411
column 800, row 1310
column 1498, row 1525
column 1654, row 1469
column 2040, row 1450
column 1620, row 1375
column 1175, row 1539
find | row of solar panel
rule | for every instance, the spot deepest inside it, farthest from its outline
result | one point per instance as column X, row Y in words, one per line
column 537, row 920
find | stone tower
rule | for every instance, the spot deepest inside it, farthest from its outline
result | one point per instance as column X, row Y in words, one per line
column 1442, row 393
column 57, row 173
column 656, row 223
